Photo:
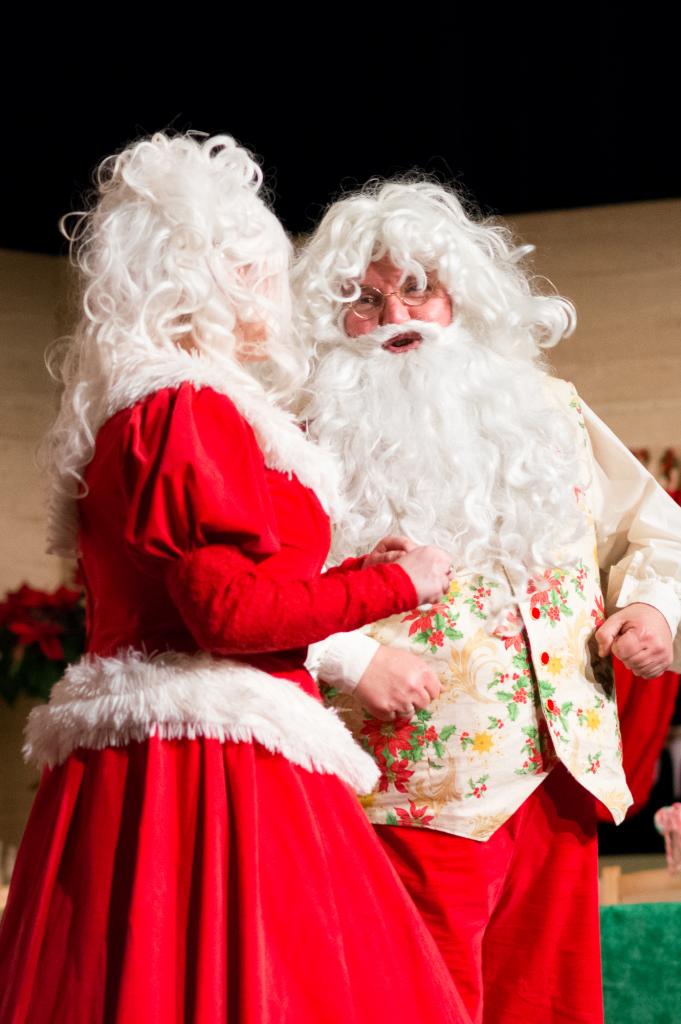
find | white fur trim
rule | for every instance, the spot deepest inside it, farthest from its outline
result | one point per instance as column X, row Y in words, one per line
column 284, row 445
column 103, row 702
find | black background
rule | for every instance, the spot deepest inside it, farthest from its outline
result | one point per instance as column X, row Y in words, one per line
column 521, row 110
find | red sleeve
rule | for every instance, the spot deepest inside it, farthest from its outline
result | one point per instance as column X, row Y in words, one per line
column 200, row 509
column 348, row 563
column 231, row 606
column 195, row 476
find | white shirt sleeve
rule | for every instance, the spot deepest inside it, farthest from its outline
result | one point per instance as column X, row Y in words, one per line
column 342, row 659
column 638, row 530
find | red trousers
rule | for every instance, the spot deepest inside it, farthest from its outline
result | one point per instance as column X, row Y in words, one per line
column 516, row 917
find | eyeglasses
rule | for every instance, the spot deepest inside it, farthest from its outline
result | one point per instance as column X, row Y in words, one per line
column 371, row 301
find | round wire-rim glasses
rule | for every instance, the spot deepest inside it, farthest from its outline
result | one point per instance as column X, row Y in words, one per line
column 371, row 301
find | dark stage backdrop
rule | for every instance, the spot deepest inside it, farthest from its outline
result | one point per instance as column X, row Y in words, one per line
column 523, row 112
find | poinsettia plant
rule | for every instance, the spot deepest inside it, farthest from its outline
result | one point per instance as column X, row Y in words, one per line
column 41, row 632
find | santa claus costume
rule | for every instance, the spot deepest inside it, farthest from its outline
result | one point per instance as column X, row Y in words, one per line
column 429, row 384
column 195, row 852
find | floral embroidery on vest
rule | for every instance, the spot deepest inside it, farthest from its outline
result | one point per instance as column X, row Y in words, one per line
column 432, row 626
column 397, row 745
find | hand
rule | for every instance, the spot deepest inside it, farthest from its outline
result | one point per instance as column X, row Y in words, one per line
column 395, row 683
column 640, row 637
column 389, row 549
column 430, row 570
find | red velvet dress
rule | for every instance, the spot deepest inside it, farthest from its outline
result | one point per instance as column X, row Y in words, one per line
column 199, row 879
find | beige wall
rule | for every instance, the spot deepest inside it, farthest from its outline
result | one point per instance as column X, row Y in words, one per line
column 621, row 266
column 32, row 293
column 32, row 290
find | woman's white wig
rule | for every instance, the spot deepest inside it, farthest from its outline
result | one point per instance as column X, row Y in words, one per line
column 177, row 253
column 422, row 227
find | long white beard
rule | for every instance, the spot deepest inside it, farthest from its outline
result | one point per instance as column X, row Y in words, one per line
column 453, row 444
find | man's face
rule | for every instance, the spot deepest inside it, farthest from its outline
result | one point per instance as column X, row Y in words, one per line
column 387, row 279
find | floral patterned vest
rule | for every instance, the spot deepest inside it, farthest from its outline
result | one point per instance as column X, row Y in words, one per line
column 513, row 701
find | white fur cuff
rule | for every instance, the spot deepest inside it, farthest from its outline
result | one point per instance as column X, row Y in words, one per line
column 104, row 702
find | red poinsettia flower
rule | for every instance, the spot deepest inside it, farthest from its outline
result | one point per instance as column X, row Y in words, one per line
column 598, row 613
column 46, row 634
column 384, row 781
column 536, row 760
column 64, row 597
column 420, row 621
column 513, row 623
column 400, row 774
column 543, row 595
column 23, row 604
column 41, row 631
column 515, row 641
column 394, row 736
column 415, row 815
column 28, row 597
column 36, row 617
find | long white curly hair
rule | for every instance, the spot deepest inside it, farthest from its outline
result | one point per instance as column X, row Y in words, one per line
column 460, row 442
column 423, row 227
column 176, row 257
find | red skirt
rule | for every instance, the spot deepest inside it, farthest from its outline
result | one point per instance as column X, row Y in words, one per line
column 195, row 881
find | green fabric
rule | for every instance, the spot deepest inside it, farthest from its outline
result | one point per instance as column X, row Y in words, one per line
column 641, row 950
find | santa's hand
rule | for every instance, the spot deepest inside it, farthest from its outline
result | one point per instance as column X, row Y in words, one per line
column 639, row 635
column 430, row 570
column 389, row 549
column 395, row 684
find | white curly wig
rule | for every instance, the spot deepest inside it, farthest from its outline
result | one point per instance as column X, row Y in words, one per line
column 460, row 442
column 422, row 226
column 177, row 255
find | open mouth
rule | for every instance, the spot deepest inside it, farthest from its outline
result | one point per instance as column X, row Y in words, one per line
column 403, row 342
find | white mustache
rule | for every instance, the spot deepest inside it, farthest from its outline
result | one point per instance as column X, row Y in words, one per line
column 428, row 331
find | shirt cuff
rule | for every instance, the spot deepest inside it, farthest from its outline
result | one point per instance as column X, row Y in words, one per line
column 344, row 658
column 657, row 593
